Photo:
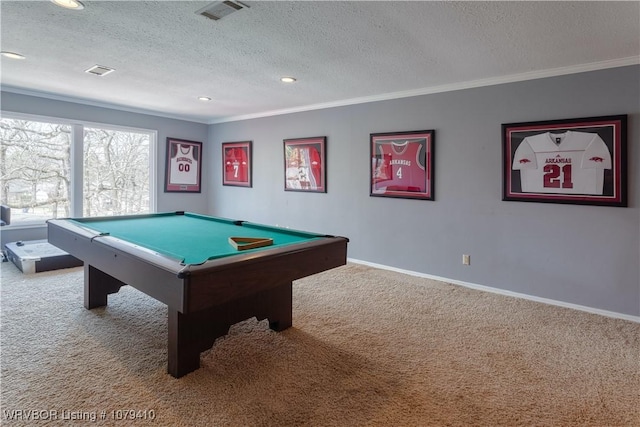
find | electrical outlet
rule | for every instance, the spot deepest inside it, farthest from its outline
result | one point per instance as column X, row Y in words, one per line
column 466, row 259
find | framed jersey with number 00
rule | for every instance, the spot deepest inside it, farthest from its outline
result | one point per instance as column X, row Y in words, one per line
column 184, row 166
column 576, row 161
column 402, row 164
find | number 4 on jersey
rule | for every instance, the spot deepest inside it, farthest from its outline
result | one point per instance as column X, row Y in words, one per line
column 399, row 172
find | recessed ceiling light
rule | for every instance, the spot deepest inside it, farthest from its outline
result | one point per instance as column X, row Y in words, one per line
column 69, row 4
column 287, row 79
column 12, row 55
column 204, row 98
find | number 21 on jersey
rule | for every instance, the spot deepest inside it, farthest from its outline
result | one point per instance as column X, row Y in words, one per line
column 556, row 176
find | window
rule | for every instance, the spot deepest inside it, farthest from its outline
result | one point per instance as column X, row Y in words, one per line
column 116, row 172
column 54, row 170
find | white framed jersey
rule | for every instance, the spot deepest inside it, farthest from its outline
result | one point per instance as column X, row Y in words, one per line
column 184, row 166
column 580, row 161
column 562, row 163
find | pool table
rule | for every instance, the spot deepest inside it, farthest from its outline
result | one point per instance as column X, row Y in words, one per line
column 187, row 262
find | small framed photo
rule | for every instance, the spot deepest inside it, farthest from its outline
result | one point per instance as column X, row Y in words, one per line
column 576, row 161
column 184, row 166
column 305, row 164
column 402, row 164
column 236, row 163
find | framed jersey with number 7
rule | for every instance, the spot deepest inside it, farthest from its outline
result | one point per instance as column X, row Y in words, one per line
column 236, row 163
column 576, row 161
column 184, row 166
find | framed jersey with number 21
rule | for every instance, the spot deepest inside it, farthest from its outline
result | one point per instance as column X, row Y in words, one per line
column 576, row 161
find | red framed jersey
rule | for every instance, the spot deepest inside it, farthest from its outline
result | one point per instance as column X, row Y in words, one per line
column 399, row 167
column 236, row 166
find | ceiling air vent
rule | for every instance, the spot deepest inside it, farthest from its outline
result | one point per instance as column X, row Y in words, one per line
column 99, row 70
column 219, row 9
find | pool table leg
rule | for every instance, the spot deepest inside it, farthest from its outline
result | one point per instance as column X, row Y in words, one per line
column 277, row 307
column 97, row 285
column 190, row 334
column 183, row 349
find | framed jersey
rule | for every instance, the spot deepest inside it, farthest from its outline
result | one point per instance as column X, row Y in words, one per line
column 576, row 161
column 184, row 166
column 305, row 164
column 402, row 164
column 236, row 163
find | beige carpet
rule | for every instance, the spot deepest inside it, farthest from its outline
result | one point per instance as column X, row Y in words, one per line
column 368, row 348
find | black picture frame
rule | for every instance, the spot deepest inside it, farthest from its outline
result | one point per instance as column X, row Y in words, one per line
column 237, row 164
column 183, row 168
column 401, row 164
column 305, row 166
column 573, row 161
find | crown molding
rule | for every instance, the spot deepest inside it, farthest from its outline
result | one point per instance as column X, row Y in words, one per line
column 83, row 101
column 532, row 75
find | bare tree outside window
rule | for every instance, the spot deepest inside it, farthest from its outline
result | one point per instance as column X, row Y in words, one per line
column 35, row 169
column 116, row 172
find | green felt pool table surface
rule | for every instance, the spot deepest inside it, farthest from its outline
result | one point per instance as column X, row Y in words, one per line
column 190, row 238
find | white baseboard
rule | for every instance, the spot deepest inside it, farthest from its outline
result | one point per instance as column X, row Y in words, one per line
column 606, row 313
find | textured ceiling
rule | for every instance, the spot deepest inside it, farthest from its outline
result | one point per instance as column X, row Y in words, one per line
column 165, row 55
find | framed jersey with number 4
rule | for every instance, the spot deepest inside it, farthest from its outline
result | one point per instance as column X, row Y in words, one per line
column 402, row 164
column 576, row 161
column 184, row 166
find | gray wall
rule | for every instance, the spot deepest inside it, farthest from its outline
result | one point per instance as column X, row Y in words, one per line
column 17, row 103
column 586, row 255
